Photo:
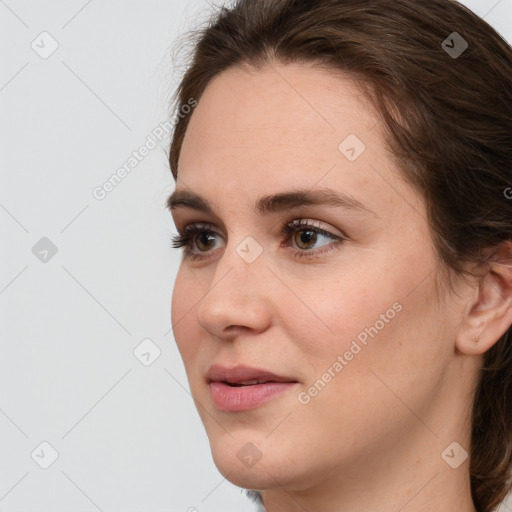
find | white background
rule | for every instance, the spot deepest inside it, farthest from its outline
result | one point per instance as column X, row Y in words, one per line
column 127, row 435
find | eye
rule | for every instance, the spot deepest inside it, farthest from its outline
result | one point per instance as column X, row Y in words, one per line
column 199, row 239
column 306, row 234
column 201, row 235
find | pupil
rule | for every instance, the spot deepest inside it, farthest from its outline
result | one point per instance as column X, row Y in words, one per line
column 207, row 239
column 307, row 237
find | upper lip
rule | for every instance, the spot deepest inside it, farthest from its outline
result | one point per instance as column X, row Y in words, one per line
column 242, row 373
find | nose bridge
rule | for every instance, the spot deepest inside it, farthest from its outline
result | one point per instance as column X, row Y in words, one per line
column 237, row 294
column 242, row 262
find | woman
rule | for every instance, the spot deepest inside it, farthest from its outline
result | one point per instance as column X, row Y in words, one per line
column 344, row 302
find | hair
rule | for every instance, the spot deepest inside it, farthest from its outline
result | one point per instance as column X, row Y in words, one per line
column 447, row 123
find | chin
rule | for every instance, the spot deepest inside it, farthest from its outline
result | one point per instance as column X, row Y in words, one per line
column 251, row 461
column 245, row 458
column 256, row 478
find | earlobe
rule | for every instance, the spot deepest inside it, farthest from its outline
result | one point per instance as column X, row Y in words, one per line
column 473, row 340
column 489, row 316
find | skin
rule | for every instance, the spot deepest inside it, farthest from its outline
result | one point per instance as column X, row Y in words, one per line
column 372, row 439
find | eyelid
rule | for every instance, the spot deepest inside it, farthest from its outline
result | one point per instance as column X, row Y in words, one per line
column 295, row 221
column 195, row 226
column 307, row 222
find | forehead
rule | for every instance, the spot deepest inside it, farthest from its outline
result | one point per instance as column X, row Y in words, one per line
column 303, row 103
column 259, row 130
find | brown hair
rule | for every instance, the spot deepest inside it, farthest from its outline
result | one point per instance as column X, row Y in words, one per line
column 448, row 123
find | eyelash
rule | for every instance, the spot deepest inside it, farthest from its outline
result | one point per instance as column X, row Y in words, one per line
column 184, row 240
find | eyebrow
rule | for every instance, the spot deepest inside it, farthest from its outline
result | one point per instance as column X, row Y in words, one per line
column 275, row 202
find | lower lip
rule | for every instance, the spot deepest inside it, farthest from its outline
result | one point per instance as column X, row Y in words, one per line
column 243, row 398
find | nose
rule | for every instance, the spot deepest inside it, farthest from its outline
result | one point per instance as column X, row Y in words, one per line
column 238, row 299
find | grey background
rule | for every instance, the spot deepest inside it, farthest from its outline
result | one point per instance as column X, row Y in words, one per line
column 127, row 434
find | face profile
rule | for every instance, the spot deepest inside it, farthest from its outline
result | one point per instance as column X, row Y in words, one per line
column 302, row 301
column 331, row 355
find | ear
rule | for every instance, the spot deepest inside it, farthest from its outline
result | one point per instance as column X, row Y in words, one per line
column 489, row 313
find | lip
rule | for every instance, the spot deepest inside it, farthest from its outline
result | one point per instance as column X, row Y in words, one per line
column 229, row 395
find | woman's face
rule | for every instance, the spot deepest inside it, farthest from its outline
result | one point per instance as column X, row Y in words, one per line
column 348, row 317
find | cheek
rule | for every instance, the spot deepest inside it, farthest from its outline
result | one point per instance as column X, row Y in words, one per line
column 372, row 320
column 388, row 345
column 339, row 309
column 185, row 297
column 177, row 300
column 368, row 396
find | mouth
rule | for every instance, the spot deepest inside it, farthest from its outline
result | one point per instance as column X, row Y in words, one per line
column 244, row 376
column 243, row 388
column 245, row 383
